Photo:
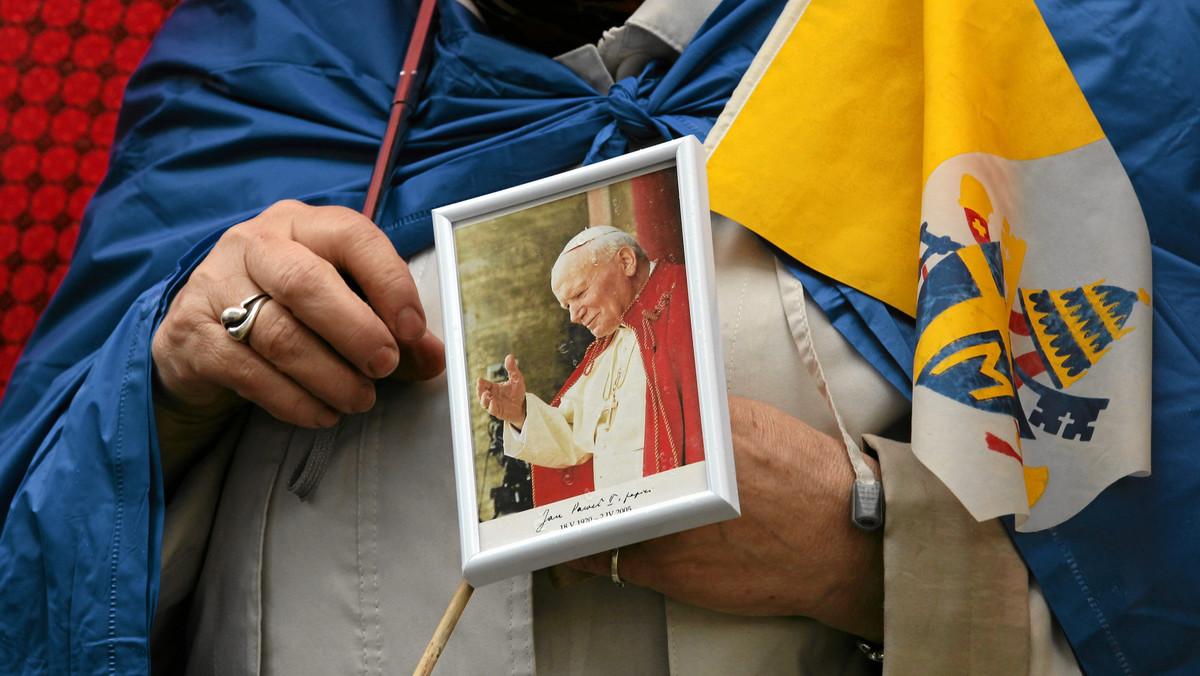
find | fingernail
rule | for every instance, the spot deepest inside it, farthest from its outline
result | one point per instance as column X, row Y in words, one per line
column 327, row 418
column 409, row 325
column 383, row 362
column 364, row 399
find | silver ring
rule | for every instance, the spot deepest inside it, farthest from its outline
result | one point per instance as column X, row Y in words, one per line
column 870, row 650
column 239, row 319
column 616, row 576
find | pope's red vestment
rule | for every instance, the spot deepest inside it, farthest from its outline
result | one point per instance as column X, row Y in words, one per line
column 661, row 319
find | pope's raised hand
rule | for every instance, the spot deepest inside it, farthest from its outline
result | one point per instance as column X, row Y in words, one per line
column 315, row 346
column 504, row 400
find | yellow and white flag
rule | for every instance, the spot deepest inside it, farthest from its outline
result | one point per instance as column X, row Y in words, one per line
column 940, row 157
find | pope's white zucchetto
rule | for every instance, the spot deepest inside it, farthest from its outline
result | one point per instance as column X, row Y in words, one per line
column 587, row 235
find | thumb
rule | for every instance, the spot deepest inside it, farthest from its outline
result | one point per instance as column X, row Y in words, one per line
column 510, row 364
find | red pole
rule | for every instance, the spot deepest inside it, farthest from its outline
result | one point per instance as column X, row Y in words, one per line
column 412, row 74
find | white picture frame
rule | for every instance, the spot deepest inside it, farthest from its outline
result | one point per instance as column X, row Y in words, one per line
column 497, row 249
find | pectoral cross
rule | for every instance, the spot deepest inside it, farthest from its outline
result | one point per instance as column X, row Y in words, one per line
column 608, row 413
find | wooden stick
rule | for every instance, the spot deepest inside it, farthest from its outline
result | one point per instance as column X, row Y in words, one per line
column 438, row 642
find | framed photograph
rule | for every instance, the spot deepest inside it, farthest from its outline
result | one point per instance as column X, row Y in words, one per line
column 587, row 387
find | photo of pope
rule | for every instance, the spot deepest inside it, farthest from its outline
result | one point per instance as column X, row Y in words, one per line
column 630, row 408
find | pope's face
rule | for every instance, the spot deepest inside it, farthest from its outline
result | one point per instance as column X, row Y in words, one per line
column 595, row 291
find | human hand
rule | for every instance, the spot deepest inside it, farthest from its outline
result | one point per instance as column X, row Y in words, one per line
column 504, row 400
column 793, row 551
column 317, row 345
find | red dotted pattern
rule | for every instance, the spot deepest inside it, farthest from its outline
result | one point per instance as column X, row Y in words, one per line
column 63, row 68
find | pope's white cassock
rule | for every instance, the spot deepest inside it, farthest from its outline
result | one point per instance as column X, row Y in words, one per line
column 601, row 416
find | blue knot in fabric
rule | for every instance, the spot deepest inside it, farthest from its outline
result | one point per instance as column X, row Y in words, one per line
column 629, row 104
column 629, row 111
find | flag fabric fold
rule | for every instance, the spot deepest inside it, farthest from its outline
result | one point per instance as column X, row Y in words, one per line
column 979, row 193
column 1008, row 174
